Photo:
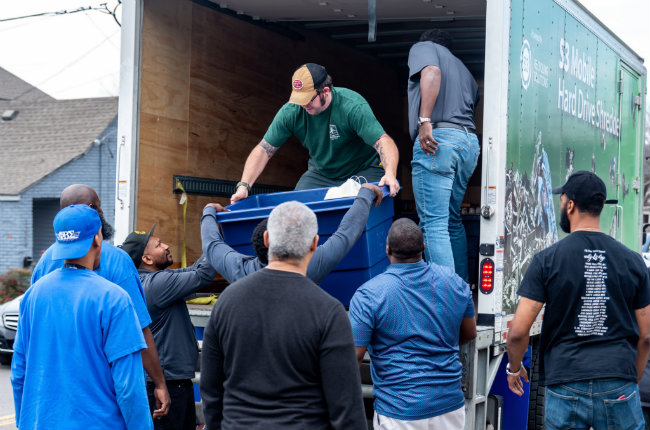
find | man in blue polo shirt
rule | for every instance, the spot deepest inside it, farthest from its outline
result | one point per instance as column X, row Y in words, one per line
column 117, row 267
column 76, row 362
column 411, row 319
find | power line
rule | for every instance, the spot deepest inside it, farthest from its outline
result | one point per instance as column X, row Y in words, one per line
column 103, row 8
column 81, row 57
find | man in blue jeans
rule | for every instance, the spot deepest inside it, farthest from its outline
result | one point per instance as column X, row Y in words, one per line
column 442, row 98
column 596, row 332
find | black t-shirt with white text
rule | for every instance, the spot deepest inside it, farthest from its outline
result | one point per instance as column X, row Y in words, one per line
column 591, row 285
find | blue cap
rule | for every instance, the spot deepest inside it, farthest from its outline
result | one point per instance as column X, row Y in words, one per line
column 75, row 228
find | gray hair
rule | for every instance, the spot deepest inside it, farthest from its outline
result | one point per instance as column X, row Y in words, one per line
column 292, row 227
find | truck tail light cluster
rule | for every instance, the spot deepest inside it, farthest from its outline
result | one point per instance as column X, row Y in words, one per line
column 487, row 276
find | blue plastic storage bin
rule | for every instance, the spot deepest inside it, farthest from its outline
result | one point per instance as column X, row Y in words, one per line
column 366, row 259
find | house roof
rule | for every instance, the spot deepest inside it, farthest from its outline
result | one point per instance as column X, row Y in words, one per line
column 46, row 134
column 14, row 88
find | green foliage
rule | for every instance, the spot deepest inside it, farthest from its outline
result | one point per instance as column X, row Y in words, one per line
column 13, row 283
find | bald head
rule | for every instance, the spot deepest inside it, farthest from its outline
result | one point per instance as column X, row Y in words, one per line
column 405, row 240
column 79, row 194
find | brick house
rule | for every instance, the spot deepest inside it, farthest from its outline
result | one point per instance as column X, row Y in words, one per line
column 46, row 145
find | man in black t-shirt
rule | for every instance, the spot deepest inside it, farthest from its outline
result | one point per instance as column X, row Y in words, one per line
column 278, row 351
column 596, row 332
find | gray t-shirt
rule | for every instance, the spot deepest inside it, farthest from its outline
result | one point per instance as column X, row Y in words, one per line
column 458, row 94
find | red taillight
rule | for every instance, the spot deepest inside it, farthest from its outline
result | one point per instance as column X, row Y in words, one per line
column 487, row 276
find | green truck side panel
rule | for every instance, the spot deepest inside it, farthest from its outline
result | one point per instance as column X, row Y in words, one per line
column 563, row 109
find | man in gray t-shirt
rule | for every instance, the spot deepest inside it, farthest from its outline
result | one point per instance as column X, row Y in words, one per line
column 442, row 98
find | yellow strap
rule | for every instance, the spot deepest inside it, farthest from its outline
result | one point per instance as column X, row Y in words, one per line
column 183, row 201
column 209, row 300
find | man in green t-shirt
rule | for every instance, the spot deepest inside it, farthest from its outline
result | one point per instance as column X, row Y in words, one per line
column 337, row 127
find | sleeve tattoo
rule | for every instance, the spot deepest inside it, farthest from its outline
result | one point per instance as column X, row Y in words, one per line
column 380, row 150
column 270, row 149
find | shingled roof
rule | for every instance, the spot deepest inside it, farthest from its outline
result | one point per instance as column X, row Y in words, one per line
column 45, row 133
column 14, row 88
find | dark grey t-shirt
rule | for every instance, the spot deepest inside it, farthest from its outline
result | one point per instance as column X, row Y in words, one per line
column 172, row 329
column 458, row 94
column 278, row 353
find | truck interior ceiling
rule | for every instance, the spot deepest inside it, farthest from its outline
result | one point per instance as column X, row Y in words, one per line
column 241, row 55
column 381, row 32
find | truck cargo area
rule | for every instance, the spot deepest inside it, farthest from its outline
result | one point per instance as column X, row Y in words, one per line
column 202, row 80
column 214, row 74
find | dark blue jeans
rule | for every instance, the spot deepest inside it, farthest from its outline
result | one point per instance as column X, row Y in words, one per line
column 611, row 404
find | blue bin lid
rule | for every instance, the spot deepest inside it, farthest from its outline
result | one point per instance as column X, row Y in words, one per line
column 259, row 206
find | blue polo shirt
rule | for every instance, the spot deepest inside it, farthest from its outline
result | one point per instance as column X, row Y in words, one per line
column 75, row 327
column 116, row 266
column 409, row 317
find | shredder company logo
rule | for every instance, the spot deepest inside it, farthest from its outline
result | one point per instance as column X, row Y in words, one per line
column 297, row 84
column 525, row 61
column 67, row 236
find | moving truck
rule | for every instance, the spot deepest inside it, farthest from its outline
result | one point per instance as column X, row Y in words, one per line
column 202, row 80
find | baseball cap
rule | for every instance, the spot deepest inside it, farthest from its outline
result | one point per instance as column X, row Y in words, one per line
column 75, row 228
column 304, row 82
column 583, row 187
column 135, row 244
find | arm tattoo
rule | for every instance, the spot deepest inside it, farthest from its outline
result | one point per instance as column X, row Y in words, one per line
column 270, row 149
column 380, row 149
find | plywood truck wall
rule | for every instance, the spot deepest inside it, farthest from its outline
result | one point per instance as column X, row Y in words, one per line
column 211, row 84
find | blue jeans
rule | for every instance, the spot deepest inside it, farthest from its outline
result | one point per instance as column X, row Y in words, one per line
column 599, row 403
column 439, row 184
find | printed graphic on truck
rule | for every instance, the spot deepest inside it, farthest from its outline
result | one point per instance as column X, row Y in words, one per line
column 529, row 222
column 570, row 107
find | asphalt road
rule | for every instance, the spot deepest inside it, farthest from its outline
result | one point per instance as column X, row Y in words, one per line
column 7, row 418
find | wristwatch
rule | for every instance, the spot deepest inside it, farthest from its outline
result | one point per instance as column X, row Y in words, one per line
column 243, row 184
column 517, row 373
column 422, row 120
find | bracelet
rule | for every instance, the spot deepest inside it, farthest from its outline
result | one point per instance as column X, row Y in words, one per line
column 244, row 184
column 517, row 373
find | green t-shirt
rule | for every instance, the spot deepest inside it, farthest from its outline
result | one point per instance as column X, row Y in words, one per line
column 339, row 140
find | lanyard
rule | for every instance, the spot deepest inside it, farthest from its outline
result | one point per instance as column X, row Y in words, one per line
column 74, row 266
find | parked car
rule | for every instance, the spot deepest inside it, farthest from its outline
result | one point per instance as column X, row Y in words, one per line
column 8, row 326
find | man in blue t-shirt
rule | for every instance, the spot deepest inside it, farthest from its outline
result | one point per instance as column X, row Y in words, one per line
column 596, row 330
column 412, row 319
column 116, row 266
column 76, row 362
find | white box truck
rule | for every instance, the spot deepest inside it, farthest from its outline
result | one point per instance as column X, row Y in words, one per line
column 201, row 80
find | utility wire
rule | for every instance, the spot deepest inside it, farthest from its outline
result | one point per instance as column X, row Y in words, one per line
column 103, row 8
column 81, row 57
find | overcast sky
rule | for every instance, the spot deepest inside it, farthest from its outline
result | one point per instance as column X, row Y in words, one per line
column 68, row 56
column 77, row 55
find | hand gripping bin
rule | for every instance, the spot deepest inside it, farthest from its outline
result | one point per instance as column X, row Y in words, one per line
column 366, row 259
